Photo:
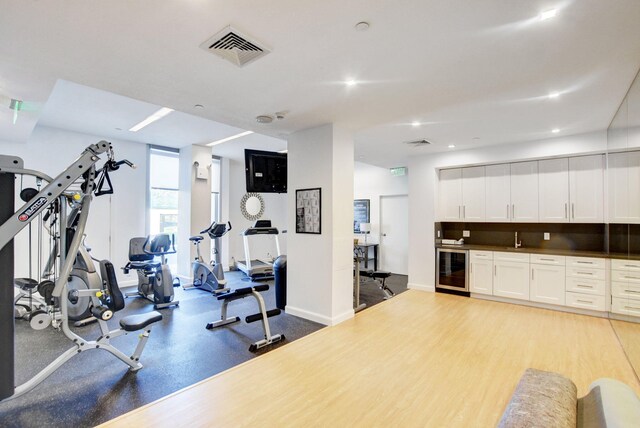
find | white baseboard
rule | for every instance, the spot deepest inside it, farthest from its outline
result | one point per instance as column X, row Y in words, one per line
column 421, row 287
column 319, row 318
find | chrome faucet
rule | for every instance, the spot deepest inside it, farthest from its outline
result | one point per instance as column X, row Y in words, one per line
column 518, row 244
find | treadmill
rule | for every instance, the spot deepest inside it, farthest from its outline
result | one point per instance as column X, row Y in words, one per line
column 258, row 269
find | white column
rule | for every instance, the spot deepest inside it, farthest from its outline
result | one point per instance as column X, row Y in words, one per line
column 194, row 206
column 319, row 267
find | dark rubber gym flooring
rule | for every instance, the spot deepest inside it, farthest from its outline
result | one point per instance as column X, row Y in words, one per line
column 94, row 386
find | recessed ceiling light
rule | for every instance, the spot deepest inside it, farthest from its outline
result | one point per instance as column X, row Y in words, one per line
column 475, row 138
column 263, row 118
column 118, row 129
column 452, row 146
column 362, row 26
column 149, row 120
column 233, row 137
column 554, row 95
column 415, row 123
column 555, row 131
column 198, row 106
column 548, row 14
column 350, row 82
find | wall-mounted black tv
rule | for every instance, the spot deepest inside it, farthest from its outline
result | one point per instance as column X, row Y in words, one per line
column 266, row 172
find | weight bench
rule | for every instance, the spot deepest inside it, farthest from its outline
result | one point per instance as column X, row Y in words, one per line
column 263, row 315
column 380, row 277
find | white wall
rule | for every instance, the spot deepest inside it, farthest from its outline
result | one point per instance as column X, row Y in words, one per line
column 423, row 189
column 194, row 203
column 261, row 247
column 319, row 267
column 114, row 219
column 371, row 182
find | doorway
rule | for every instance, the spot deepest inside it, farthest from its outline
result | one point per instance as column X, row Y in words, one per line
column 394, row 234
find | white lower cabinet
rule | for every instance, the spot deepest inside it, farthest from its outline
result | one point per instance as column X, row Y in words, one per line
column 511, row 275
column 577, row 282
column 586, row 301
column 547, row 284
column 586, row 283
column 625, row 287
column 481, row 272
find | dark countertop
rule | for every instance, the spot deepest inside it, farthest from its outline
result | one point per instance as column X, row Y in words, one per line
column 572, row 253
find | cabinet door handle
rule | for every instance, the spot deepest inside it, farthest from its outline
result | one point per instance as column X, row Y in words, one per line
column 565, row 210
column 584, row 301
column 630, row 277
column 584, row 286
column 513, row 211
column 584, row 263
column 547, row 260
column 632, row 291
column 464, row 211
column 471, row 268
column 631, row 266
column 573, row 211
column 532, row 271
column 495, row 270
column 631, row 307
column 459, row 208
column 584, row 273
column 508, row 212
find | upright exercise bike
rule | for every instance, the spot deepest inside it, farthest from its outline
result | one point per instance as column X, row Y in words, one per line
column 210, row 277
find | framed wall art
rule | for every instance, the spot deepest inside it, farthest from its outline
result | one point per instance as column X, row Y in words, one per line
column 360, row 213
column 308, row 211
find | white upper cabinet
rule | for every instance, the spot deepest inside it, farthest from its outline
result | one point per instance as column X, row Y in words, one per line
column 524, row 192
column 586, row 189
column 450, row 195
column 553, row 196
column 473, row 193
column 624, row 187
column 498, row 193
column 547, row 191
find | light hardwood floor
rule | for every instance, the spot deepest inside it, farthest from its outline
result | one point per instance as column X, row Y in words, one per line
column 419, row 359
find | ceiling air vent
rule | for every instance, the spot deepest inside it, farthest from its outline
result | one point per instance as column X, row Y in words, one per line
column 234, row 46
column 418, row 143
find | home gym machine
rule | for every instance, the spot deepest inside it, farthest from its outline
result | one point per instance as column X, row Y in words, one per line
column 74, row 188
column 210, row 277
column 263, row 315
column 155, row 282
column 258, row 269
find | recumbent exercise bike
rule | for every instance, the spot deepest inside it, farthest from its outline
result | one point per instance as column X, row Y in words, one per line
column 155, row 282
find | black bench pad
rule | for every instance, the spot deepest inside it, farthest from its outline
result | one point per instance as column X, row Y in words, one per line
column 196, row 238
column 375, row 274
column 140, row 321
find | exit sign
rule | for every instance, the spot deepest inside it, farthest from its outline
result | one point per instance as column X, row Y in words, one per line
column 401, row 170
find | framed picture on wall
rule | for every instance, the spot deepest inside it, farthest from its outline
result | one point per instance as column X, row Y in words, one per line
column 308, row 211
column 360, row 213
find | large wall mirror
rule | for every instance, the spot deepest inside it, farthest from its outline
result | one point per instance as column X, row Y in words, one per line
column 623, row 146
column 252, row 206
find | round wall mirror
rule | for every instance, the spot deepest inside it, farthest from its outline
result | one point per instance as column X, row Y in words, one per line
column 252, row 206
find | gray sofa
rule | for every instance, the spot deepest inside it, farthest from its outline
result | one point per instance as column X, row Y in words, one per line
column 546, row 399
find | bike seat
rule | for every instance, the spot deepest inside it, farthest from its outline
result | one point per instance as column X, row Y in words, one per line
column 196, row 238
column 140, row 321
column 25, row 283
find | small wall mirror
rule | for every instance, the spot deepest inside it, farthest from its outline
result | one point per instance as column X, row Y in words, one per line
column 252, row 206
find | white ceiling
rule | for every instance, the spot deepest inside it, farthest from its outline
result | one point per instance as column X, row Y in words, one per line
column 466, row 69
